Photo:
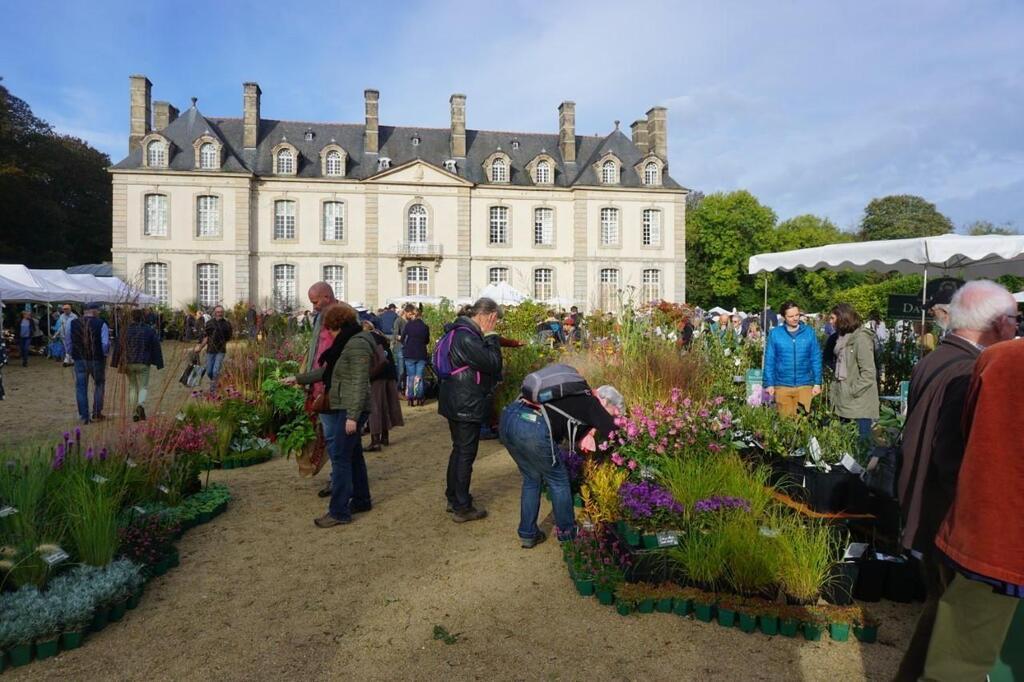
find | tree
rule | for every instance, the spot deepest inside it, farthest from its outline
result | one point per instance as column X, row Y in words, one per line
column 902, row 216
column 54, row 190
column 983, row 227
column 721, row 235
column 812, row 289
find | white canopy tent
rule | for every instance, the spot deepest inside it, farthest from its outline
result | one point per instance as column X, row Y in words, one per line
column 126, row 294
column 416, row 300
column 1019, row 297
column 502, row 293
column 93, row 287
column 19, row 284
column 60, row 287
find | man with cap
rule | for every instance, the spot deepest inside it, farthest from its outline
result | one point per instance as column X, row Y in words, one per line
column 938, row 305
column 90, row 343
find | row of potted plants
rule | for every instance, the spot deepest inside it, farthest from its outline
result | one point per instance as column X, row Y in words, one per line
column 246, row 459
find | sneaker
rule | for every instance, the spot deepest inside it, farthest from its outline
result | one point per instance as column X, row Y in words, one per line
column 325, row 491
column 142, row 413
column 530, row 543
column 328, row 521
column 359, row 507
column 449, row 508
column 471, row 514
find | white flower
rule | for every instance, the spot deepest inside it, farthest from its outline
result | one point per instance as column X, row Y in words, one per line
column 728, row 352
column 736, row 362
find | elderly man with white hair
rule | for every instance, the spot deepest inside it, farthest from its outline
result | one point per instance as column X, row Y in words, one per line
column 981, row 313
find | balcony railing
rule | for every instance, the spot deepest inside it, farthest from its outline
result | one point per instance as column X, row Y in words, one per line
column 420, row 250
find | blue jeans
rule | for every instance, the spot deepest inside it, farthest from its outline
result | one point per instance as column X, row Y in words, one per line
column 864, row 425
column 526, row 437
column 414, row 378
column 329, row 425
column 83, row 370
column 23, row 345
column 349, row 480
column 214, row 362
column 399, row 354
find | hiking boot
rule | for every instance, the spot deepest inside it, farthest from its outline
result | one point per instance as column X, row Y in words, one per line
column 471, row 514
column 530, row 543
column 328, row 521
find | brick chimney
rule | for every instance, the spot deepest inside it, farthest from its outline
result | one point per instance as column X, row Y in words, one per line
column 371, row 138
column 657, row 131
column 567, row 131
column 640, row 139
column 164, row 114
column 458, row 137
column 140, row 90
column 250, row 115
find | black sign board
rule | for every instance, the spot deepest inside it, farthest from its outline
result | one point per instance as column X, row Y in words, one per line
column 904, row 307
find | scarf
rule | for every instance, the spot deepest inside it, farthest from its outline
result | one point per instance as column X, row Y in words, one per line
column 841, row 343
column 330, row 356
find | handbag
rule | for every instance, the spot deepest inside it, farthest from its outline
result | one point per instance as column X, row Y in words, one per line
column 193, row 373
column 321, row 403
column 380, row 363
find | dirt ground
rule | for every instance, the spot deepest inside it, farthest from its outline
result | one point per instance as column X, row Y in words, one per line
column 263, row 594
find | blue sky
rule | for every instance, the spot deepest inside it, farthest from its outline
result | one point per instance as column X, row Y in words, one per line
column 815, row 107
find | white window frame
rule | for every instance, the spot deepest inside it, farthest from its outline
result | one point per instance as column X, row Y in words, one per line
column 333, row 164
column 499, row 170
column 652, row 174
column 543, row 226
column 285, row 162
column 543, row 284
column 650, row 230
column 155, row 218
column 543, row 173
column 284, row 222
column 284, row 282
column 417, row 281
column 609, row 217
column 155, row 280
column 333, row 222
column 418, row 224
column 608, row 292
column 208, row 284
column 156, row 154
column 207, row 215
column 650, row 287
column 498, row 273
column 208, row 156
column 498, row 225
column 609, row 173
column 334, row 274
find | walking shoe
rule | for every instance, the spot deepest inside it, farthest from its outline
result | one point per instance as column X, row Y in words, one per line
column 471, row 514
column 98, row 417
column 530, row 543
column 328, row 521
column 142, row 413
column 135, row 415
column 325, row 491
column 359, row 507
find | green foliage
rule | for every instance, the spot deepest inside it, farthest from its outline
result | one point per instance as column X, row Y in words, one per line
column 868, row 299
column 902, row 216
column 24, row 484
column 91, row 494
column 520, row 322
column 983, row 227
column 808, row 550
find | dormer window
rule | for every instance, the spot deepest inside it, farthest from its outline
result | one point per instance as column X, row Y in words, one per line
column 333, row 161
column 542, row 169
column 650, row 169
column 515, row 145
column 383, row 163
column 286, row 158
column 498, row 167
column 652, row 174
column 416, row 140
column 208, row 156
column 156, row 154
column 543, row 173
column 609, row 173
column 308, row 135
column 499, row 171
column 449, row 165
column 333, row 166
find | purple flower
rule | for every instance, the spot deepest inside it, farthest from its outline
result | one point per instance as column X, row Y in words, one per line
column 720, row 502
column 67, row 436
column 103, row 454
column 58, row 459
column 78, row 435
column 88, row 453
column 645, row 499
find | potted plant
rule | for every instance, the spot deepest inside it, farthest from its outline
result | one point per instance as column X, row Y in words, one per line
column 628, row 598
column 649, row 507
column 808, row 550
column 840, row 618
column 728, row 606
column 703, row 605
column 684, row 601
column 16, row 635
column 865, row 627
column 47, row 627
column 767, row 616
column 814, row 622
column 746, row 614
column 76, row 612
column 789, row 620
column 664, row 596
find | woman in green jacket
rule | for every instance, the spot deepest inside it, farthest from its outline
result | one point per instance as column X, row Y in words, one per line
column 345, row 370
column 854, row 393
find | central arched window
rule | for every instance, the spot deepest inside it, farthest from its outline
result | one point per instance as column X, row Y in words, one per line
column 207, row 216
column 208, row 284
column 543, row 226
column 208, row 156
column 609, row 173
column 154, row 276
column 334, row 222
column 333, row 165
column 284, row 219
column 284, row 287
column 609, row 226
column 335, row 276
column 543, row 173
column 417, row 224
column 495, row 275
column 156, row 154
column 417, row 282
column 499, row 171
column 651, row 174
column 543, row 284
column 285, row 162
column 155, row 223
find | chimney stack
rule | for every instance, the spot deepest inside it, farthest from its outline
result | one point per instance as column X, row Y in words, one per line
column 371, row 141
column 250, row 115
column 640, row 139
column 458, row 141
column 140, row 90
column 657, row 132
column 567, row 131
column 164, row 114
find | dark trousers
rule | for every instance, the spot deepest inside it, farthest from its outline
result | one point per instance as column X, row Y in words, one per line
column 465, row 442
column 24, row 342
column 349, row 480
column 937, row 576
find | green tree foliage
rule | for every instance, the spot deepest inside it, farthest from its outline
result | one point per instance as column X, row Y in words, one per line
column 983, row 227
column 722, row 233
column 902, row 216
column 54, row 190
column 874, row 297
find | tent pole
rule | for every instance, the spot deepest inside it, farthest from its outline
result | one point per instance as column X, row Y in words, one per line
column 764, row 324
column 924, row 293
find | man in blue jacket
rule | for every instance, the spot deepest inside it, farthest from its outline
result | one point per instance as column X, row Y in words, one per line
column 792, row 362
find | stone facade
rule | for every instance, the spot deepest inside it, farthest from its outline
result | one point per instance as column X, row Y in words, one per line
column 253, row 210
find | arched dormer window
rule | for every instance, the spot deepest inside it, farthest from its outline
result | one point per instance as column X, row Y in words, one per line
column 333, row 161
column 207, row 152
column 286, row 158
column 499, row 171
column 609, row 173
column 650, row 170
column 651, row 174
column 498, row 167
column 156, row 151
column 542, row 169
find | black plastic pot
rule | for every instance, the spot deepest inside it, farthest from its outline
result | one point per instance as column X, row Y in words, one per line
column 840, row 587
column 787, row 475
column 871, row 579
column 830, row 491
column 903, row 581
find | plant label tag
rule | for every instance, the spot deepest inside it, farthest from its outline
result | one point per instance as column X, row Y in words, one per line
column 587, row 526
column 646, row 473
column 851, row 465
column 769, row 532
column 7, row 511
column 855, row 550
column 814, row 448
column 130, row 463
column 668, row 539
column 164, row 489
column 56, row 556
column 138, row 510
column 99, row 479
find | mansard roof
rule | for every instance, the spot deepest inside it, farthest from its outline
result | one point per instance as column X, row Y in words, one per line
column 396, row 143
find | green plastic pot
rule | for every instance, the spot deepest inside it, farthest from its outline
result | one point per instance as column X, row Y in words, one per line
column 205, row 516
column 47, row 649
column 117, row 611
column 100, row 618
column 726, row 617
column 664, row 605
column 585, row 587
column 748, row 623
column 133, row 601
column 703, row 612
column 606, row 597
column 681, row 607
column 812, row 631
column 650, row 541
column 840, row 632
column 19, row 655
column 624, row 608
column 71, row 640
column 788, row 627
column 769, row 625
column 645, row 606
column 161, row 567
column 621, row 527
column 173, row 559
column 632, row 536
column 867, row 634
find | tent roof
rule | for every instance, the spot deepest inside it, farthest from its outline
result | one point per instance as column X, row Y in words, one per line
column 19, row 284
column 980, row 256
column 60, row 286
column 502, row 293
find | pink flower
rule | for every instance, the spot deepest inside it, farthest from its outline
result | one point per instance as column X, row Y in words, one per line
column 631, row 464
column 617, row 459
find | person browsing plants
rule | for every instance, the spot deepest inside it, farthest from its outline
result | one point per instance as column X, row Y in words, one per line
column 854, row 394
column 792, row 363
column 215, row 339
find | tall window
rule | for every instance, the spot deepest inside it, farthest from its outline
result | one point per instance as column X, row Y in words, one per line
column 609, row 289
column 334, row 163
column 495, row 275
column 284, row 287
column 544, row 226
column 609, row 226
column 543, row 281
column 609, row 173
column 285, row 162
column 335, row 276
column 284, row 219
column 334, row 222
column 651, row 289
column 543, row 173
column 499, row 171
column 417, row 224
column 155, row 224
column 651, row 229
column 416, row 282
column 208, row 284
column 208, row 156
column 207, row 216
column 154, row 277
column 498, row 225
column 156, row 154
column 651, row 174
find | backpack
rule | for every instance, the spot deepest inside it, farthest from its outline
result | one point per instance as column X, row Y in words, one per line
column 441, row 359
column 551, row 383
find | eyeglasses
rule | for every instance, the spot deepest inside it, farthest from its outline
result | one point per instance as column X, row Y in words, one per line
column 1016, row 317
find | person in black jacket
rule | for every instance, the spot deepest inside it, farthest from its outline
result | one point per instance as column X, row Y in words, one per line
column 138, row 348
column 465, row 399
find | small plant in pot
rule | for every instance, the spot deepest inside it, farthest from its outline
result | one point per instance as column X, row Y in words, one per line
column 728, row 606
column 815, row 620
column 865, row 626
column 47, row 626
column 703, row 604
column 76, row 613
column 790, row 618
column 19, row 629
column 649, row 507
column 767, row 615
column 839, row 620
column 629, row 597
column 808, row 551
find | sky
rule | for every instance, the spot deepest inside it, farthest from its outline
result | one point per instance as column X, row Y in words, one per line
column 814, row 107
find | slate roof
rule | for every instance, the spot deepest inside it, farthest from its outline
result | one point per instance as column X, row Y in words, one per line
column 395, row 143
